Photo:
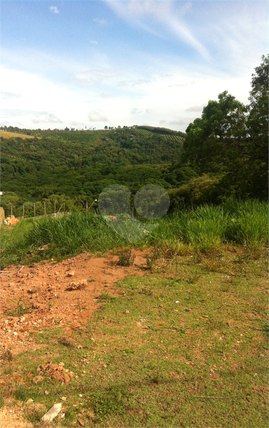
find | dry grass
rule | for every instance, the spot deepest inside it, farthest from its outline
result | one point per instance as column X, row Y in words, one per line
column 5, row 134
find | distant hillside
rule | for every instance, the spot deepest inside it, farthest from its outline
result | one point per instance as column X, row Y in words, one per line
column 6, row 134
column 84, row 162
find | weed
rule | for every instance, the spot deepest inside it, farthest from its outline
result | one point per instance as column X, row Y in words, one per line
column 105, row 297
column 7, row 355
column 152, row 258
column 126, row 258
column 67, row 341
column 35, row 411
column 21, row 307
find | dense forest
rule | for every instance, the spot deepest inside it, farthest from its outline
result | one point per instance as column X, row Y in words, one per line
column 223, row 154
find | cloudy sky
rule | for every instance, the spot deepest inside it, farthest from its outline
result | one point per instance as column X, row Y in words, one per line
column 97, row 63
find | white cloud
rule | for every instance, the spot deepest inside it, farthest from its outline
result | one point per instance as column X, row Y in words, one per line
column 45, row 117
column 6, row 96
column 93, row 76
column 54, row 9
column 105, row 95
column 195, row 108
column 96, row 116
column 140, row 111
column 159, row 12
column 135, row 82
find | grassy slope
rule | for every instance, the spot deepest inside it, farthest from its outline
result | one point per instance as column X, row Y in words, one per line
column 189, row 353
column 6, row 134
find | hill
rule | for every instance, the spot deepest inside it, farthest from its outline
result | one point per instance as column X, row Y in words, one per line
column 82, row 163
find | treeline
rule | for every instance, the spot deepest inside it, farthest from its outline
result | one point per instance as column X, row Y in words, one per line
column 228, row 147
column 223, row 154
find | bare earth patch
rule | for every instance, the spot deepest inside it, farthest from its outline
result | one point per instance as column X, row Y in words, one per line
column 51, row 294
column 12, row 417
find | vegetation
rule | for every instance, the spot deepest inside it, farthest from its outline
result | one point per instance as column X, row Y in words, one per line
column 77, row 165
column 204, row 229
column 230, row 140
column 192, row 319
column 223, row 154
column 187, row 362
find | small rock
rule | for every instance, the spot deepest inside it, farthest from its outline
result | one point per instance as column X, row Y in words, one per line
column 46, row 392
column 70, row 273
column 52, row 413
column 126, row 312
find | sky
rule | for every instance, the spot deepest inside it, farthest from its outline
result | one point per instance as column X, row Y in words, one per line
column 96, row 63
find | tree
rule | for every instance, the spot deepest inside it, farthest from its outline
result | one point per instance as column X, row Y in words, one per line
column 216, row 137
column 230, row 140
column 258, row 117
column 249, row 175
column 257, row 151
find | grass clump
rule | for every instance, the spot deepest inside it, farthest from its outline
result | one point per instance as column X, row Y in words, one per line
column 126, row 258
column 20, row 307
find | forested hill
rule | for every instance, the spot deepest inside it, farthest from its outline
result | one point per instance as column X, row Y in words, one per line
column 84, row 162
column 223, row 154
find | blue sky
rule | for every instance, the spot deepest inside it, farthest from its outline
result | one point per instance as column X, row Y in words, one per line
column 125, row 62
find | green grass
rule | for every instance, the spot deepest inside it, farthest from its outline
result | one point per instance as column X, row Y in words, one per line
column 185, row 347
column 200, row 230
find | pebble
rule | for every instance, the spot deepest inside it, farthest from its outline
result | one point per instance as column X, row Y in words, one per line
column 71, row 273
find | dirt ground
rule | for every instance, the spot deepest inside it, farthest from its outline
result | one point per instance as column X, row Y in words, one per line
column 60, row 294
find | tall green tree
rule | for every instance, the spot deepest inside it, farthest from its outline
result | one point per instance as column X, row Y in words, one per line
column 230, row 140
column 215, row 138
column 257, row 126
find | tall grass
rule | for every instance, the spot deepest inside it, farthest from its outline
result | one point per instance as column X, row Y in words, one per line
column 207, row 227
column 78, row 230
column 248, row 223
column 202, row 229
